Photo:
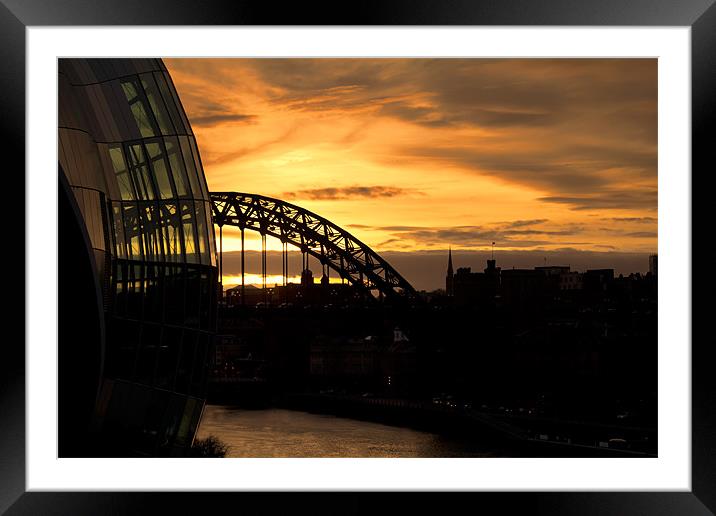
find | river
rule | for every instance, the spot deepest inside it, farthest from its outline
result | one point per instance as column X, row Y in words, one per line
column 289, row 433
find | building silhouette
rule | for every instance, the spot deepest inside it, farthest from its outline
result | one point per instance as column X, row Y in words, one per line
column 522, row 288
column 137, row 262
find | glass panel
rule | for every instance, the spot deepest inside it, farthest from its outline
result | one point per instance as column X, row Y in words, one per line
column 121, row 279
column 148, row 353
column 200, row 366
column 190, row 168
column 201, row 232
column 187, row 216
column 168, row 357
column 169, row 102
column 174, row 292
column 177, row 167
column 159, row 166
column 134, row 292
column 193, row 297
column 153, row 294
column 156, row 103
column 124, row 181
column 139, row 110
column 212, row 233
column 171, row 225
column 152, row 233
column 118, row 228
column 122, row 349
column 177, row 103
column 199, row 169
column 206, row 287
column 140, row 172
column 186, row 361
column 132, row 230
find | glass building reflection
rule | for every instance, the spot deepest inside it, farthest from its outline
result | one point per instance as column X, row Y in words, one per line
column 131, row 171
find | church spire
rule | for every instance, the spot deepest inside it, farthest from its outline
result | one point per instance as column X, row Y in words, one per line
column 449, row 276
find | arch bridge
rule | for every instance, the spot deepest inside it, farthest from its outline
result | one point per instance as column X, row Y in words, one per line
column 314, row 235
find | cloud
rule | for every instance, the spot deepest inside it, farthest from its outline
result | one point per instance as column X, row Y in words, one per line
column 632, row 219
column 216, row 119
column 217, row 158
column 571, row 138
column 582, row 170
column 568, row 127
column 479, row 92
column 643, row 234
column 522, row 223
column 475, row 236
column 349, row 192
column 607, row 200
column 205, row 112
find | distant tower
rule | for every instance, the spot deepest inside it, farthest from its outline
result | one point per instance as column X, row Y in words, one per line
column 306, row 277
column 449, row 278
column 653, row 264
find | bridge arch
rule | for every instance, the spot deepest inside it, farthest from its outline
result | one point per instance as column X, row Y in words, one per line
column 334, row 247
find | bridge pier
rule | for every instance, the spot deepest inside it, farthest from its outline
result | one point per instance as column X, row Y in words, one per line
column 243, row 268
column 263, row 265
column 221, row 260
column 284, row 262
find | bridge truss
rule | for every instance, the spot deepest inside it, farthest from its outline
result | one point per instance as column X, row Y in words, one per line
column 314, row 235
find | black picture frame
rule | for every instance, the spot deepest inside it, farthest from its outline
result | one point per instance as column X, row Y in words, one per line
column 699, row 15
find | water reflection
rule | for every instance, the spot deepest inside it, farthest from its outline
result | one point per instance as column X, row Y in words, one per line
column 288, row 433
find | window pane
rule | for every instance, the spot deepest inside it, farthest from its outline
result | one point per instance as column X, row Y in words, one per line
column 159, row 166
column 172, row 227
column 157, row 105
column 139, row 110
column 169, row 102
column 212, row 233
column 190, row 168
column 168, row 357
column 152, row 233
column 124, row 181
column 177, row 167
column 201, row 232
column 200, row 171
column 147, row 359
column 132, row 231
column 171, row 92
column 140, row 172
column 118, row 228
column 187, row 216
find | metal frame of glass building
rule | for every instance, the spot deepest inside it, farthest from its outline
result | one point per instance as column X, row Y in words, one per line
column 137, row 262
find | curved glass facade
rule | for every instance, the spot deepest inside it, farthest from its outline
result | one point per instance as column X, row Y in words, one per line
column 130, row 157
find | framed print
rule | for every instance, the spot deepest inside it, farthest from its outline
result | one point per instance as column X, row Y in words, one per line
column 391, row 156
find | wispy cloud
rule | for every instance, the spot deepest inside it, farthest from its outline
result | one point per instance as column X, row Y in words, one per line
column 349, row 192
column 633, row 219
column 607, row 200
column 643, row 234
column 216, row 119
column 476, row 236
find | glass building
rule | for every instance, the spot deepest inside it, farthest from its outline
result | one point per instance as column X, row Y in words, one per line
column 137, row 262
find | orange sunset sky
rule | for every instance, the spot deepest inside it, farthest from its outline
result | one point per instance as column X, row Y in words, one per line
column 422, row 154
